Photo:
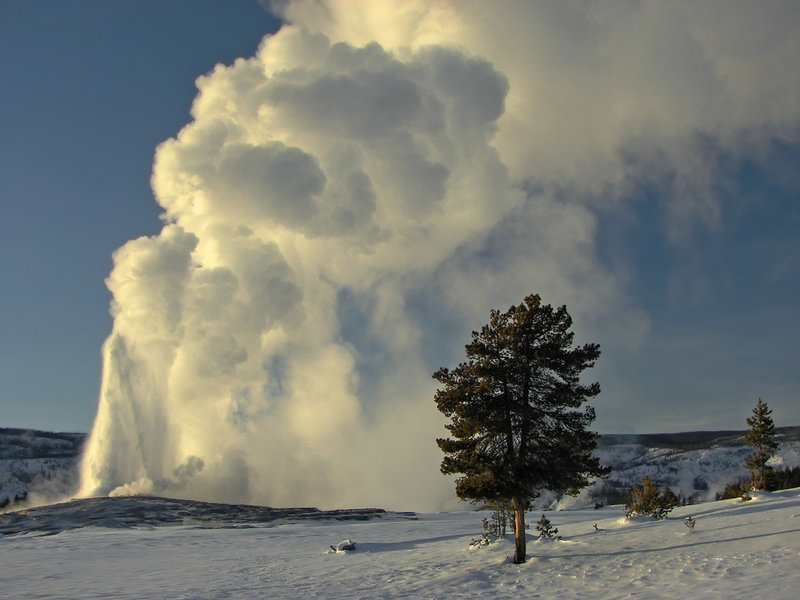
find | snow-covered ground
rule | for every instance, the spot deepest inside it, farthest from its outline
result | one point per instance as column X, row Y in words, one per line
column 736, row 550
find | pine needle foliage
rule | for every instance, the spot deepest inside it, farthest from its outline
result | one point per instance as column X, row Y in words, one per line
column 502, row 519
column 761, row 437
column 546, row 529
column 518, row 423
column 645, row 499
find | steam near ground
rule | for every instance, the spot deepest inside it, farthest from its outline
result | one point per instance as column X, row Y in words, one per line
column 39, row 468
column 735, row 550
column 348, row 203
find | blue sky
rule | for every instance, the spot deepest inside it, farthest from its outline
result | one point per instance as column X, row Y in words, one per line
column 90, row 88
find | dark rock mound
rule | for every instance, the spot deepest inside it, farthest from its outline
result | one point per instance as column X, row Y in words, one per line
column 153, row 511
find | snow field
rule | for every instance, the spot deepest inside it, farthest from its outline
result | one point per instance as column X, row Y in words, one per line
column 735, row 549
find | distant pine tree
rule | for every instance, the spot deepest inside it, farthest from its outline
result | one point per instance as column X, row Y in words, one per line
column 734, row 490
column 781, row 479
column 668, row 500
column 761, row 437
column 788, row 478
column 644, row 499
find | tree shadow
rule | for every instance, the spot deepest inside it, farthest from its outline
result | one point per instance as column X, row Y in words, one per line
column 744, row 508
column 404, row 545
column 663, row 548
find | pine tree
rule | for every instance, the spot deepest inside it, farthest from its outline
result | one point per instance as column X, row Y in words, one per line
column 502, row 517
column 667, row 502
column 515, row 410
column 546, row 529
column 761, row 437
column 644, row 499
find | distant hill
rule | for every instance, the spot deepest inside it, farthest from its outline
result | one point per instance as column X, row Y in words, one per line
column 694, row 464
column 28, row 443
column 43, row 466
column 37, row 464
column 692, row 440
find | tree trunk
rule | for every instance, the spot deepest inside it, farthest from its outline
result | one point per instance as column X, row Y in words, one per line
column 519, row 531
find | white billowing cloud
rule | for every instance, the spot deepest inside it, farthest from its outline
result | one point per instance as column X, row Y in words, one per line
column 592, row 86
column 350, row 202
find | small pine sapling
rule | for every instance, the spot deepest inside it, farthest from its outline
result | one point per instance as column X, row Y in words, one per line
column 734, row 490
column 644, row 499
column 545, row 529
column 501, row 520
column 667, row 501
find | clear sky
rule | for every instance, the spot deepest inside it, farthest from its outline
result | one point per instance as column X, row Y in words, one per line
column 89, row 89
column 695, row 241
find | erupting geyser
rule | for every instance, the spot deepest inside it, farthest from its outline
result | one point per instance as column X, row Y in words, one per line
column 263, row 347
column 346, row 205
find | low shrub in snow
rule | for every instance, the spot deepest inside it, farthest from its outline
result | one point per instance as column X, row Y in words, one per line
column 484, row 540
column 502, row 519
column 644, row 499
column 545, row 529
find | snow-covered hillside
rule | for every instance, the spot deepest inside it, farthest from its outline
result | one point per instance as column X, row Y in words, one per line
column 37, row 466
column 695, row 465
column 736, row 550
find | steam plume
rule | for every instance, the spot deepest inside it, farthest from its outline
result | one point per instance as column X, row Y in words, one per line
column 347, row 204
